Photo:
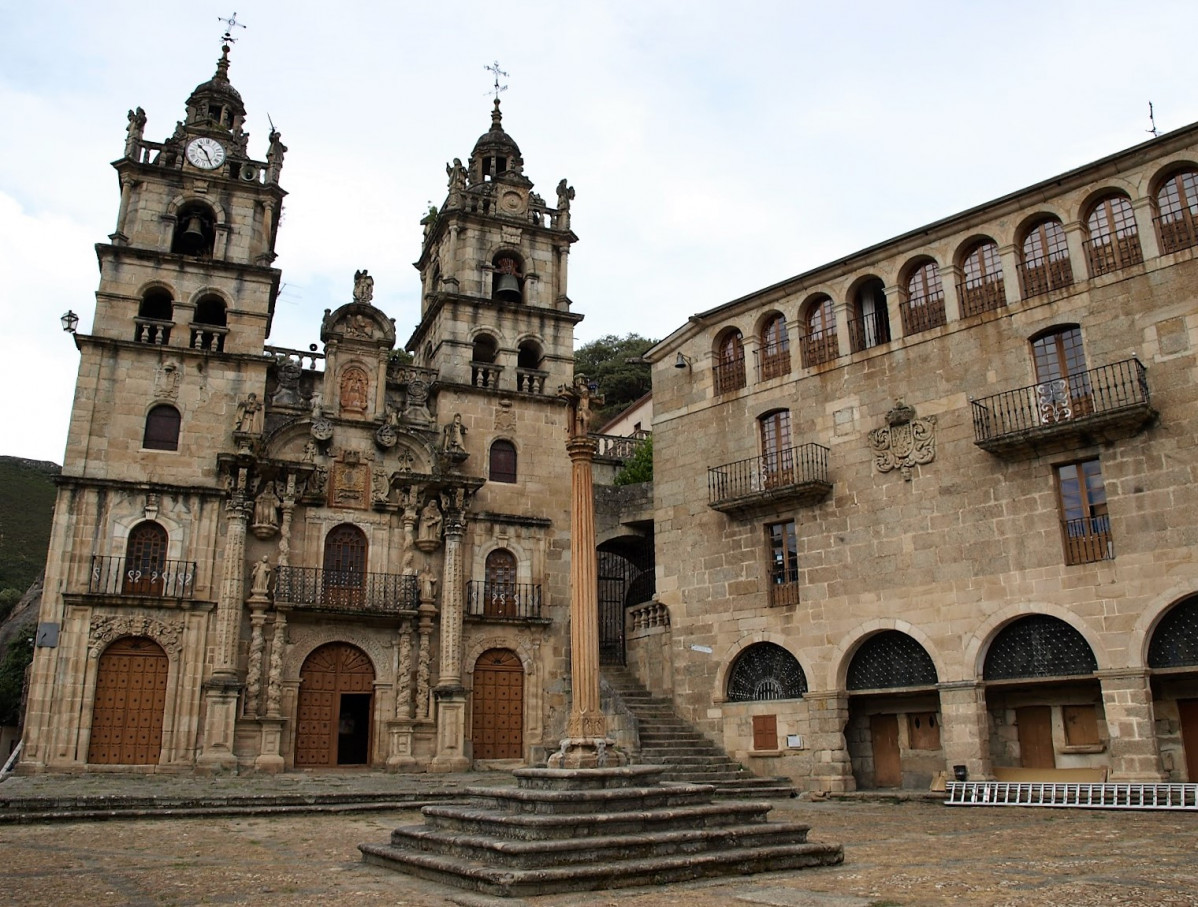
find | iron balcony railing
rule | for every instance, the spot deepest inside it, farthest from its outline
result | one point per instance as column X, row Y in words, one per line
column 317, row 589
column 503, row 601
column 792, row 473
column 772, row 363
column 981, row 294
column 150, row 578
column 729, row 374
column 869, row 330
column 1041, row 275
column 922, row 314
column 1177, row 231
column 1105, row 391
column 819, row 347
column 1112, row 253
column 1088, row 540
column 619, row 447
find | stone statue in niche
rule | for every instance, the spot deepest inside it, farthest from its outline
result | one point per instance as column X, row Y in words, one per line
column 453, row 434
column 363, row 286
column 249, row 415
column 354, row 387
column 260, row 578
column 904, row 442
column 266, row 511
column 431, row 522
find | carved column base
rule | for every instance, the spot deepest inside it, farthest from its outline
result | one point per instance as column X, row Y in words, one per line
column 451, row 731
column 588, row 752
column 399, row 737
column 270, row 755
column 220, row 720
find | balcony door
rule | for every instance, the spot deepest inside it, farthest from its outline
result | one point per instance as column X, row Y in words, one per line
column 344, row 577
column 500, row 596
column 1063, row 389
column 776, row 465
column 145, row 560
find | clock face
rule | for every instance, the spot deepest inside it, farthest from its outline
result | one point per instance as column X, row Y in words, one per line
column 206, row 153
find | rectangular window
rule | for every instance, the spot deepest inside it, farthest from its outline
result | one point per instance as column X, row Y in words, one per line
column 784, row 563
column 1081, row 725
column 1085, row 525
column 765, row 732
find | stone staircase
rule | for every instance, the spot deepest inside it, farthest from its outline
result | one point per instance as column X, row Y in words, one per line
column 684, row 753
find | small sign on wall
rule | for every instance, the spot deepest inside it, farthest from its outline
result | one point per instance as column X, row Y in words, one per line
column 47, row 635
column 794, row 741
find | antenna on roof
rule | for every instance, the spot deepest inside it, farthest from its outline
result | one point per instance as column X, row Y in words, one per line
column 1152, row 120
column 497, row 72
column 230, row 24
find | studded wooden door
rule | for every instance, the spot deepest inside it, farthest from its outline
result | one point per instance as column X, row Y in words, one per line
column 497, row 729
column 130, row 702
column 888, row 771
column 333, row 681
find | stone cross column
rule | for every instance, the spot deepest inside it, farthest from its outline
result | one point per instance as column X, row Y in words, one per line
column 587, row 744
column 450, row 694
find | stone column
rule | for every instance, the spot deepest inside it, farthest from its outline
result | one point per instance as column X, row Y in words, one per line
column 832, row 769
column 587, row 744
column 221, row 688
column 1131, row 724
column 270, row 746
column 450, row 694
column 965, row 728
column 1075, row 241
column 285, row 527
column 423, row 657
column 253, row 674
column 1145, row 210
column 950, row 277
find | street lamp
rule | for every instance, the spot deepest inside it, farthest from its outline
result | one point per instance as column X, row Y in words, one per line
column 70, row 321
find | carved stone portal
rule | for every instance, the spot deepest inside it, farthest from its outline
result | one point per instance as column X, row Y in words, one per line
column 905, row 441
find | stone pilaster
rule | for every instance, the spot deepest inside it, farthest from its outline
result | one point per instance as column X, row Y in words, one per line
column 399, row 729
column 274, row 678
column 253, row 674
column 1130, row 721
column 965, row 728
column 828, row 713
column 424, row 655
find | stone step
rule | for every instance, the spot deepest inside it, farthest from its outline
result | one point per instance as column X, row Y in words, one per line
column 503, row 881
column 520, row 801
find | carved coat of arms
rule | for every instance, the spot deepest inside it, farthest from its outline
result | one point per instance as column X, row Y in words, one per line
column 905, row 441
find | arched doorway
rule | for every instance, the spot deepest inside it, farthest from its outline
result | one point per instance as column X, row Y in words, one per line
column 130, row 702
column 497, row 730
column 626, row 578
column 333, row 717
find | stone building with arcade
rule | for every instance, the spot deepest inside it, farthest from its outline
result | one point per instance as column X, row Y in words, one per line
column 932, row 508
column 266, row 558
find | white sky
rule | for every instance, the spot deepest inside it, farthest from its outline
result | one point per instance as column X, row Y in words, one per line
column 715, row 148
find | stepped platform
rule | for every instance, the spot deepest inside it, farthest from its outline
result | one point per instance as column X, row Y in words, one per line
column 565, row 830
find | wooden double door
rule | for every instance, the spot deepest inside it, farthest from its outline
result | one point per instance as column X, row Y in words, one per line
column 497, row 723
column 333, row 720
column 130, row 703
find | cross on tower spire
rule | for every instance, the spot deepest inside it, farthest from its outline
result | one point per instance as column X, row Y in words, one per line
column 497, row 72
column 230, row 24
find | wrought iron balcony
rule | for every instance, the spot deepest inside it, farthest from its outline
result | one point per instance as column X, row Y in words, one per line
column 981, row 294
column 1102, row 404
column 147, row 578
column 728, row 375
column 345, row 591
column 796, row 475
column 503, row 601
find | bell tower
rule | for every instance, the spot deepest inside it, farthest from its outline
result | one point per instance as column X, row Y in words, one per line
column 495, row 313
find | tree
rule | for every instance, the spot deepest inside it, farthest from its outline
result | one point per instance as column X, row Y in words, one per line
column 639, row 467
column 621, row 382
column 17, row 657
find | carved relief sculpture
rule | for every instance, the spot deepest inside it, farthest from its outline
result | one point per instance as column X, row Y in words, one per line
column 363, row 286
column 354, row 390
column 905, row 441
column 249, row 415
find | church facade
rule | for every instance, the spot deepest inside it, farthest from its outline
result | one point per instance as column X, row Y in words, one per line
column 942, row 515
column 267, row 558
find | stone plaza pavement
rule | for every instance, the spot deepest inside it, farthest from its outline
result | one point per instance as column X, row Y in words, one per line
column 896, row 853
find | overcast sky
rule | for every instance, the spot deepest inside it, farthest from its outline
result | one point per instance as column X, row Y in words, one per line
column 715, row 148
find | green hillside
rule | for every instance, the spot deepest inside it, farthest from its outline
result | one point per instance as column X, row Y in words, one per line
column 26, row 509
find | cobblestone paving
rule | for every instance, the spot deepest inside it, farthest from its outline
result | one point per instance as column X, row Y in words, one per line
column 895, row 854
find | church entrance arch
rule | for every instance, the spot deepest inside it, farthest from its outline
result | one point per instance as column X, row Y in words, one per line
column 497, row 728
column 130, row 703
column 333, row 716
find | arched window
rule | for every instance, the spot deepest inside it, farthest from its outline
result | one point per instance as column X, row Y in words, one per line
column 890, row 659
column 195, row 231
column 765, row 671
column 483, row 353
column 869, row 321
column 529, row 377
column 729, row 366
column 1045, row 259
column 774, row 359
column 162, row 428
column 1177, row 211
column 499, row 599
column 819, row 340
column 923, row 308
column 155, row 317
column 502, row 461
column 777, row 456
column 145, row 560
column 1175, row 639
column 1112, row 238
column 208, row 328
column 1063, row 389
column 507, row 278
column 1038, row 646
column 982, row 288
column 344, row 576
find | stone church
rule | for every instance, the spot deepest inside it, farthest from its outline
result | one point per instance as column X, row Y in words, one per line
column 268, row 558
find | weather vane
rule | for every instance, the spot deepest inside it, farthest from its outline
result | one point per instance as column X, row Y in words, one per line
column 230, row 24
column 497, row 72
column 1152, row 120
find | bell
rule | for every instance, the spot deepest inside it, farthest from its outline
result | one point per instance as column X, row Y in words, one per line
column 193, row 235
column 507, row 288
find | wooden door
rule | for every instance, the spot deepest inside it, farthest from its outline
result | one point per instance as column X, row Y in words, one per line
column 328, row 674
column 130, row 702
column 497, row 727
column 344, row 565
column 1187, row 710
column 1034, row 724
column 888, row 770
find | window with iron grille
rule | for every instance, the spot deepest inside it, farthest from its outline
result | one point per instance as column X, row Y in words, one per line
column 1175, row 640
column 730, row 363
column 1045, row 262
column 775, row 348
column 1177, row 211
column 890, row 659
column 1038, row 646
column 1085, row 523
column 765, row 671
column 982, row 287
column 784, row 563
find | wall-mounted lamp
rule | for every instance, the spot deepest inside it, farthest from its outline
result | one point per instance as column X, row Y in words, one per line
column 682, row 361
column 70, row 321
